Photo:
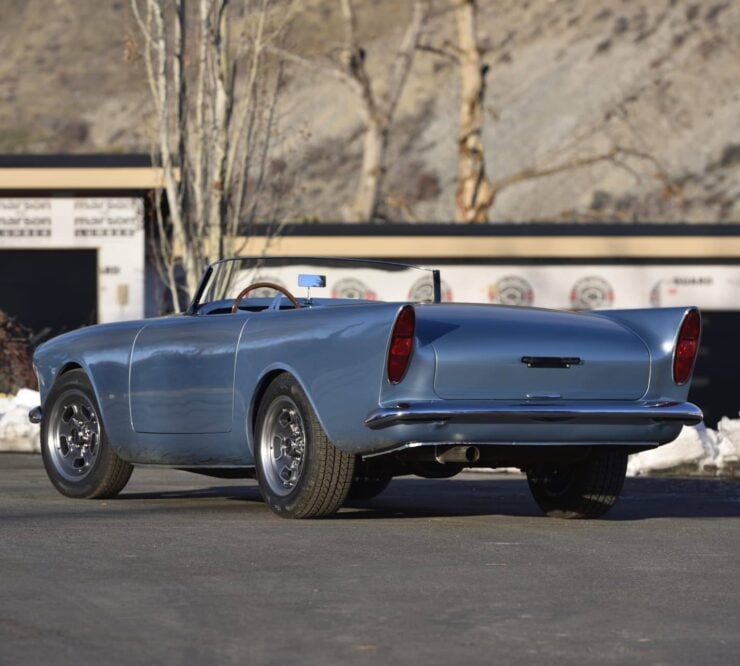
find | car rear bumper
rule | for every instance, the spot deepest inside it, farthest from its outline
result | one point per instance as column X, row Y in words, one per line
column 479, row 411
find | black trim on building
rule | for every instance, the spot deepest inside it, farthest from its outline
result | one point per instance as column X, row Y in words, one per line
column 507, row 229
column 90, row 161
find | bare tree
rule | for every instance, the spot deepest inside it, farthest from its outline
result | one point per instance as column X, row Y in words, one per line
column 215, row 112
column 378, row 108
column 474, row 194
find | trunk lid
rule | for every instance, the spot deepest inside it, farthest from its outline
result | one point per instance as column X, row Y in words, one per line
column 479, row 351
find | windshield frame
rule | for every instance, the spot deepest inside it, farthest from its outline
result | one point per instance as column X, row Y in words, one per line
column 209, row 271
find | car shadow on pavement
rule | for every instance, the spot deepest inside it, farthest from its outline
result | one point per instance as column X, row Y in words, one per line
column 641, row 499
column 685, row 497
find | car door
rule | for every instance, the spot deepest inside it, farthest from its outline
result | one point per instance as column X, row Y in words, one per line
column 181, row 377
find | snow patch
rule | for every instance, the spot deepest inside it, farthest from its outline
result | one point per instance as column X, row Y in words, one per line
column 16, row 432
column 728, row 451
column 697, row 450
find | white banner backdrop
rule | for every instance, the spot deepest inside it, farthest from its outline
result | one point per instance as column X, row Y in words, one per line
column 712, row 287
column 570, row 287
column 114, row 226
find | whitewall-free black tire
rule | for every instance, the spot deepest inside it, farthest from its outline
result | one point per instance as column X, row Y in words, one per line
column 78, row 458
column 300, row 472
column 587, row 489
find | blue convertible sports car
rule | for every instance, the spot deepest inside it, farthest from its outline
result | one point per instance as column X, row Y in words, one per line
column 328, row 398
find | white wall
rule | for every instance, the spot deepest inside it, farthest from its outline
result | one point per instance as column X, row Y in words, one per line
column 112, row 225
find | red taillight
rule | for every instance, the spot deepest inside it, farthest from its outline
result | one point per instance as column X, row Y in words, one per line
column 686, row 347
column 402, row 344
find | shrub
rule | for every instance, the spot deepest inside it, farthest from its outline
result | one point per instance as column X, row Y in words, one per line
column 16, row 369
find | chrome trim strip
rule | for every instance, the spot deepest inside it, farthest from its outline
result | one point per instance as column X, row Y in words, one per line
column 396, row 449
column 488, row 412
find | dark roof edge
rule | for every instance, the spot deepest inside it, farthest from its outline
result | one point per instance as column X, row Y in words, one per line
column 80, row 161
column 506, row 229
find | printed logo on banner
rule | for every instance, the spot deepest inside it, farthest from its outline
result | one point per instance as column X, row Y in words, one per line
column 25, row 218
column 511, row 290
column 666, row 291
column 590, row 293
column 423, row 290
column 109, row 217
column 352, row 288
column 266, row 292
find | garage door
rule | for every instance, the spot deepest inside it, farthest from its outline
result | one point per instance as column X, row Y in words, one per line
column 50, row 291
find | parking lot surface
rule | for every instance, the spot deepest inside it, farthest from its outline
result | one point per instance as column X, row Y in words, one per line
column 187, row 569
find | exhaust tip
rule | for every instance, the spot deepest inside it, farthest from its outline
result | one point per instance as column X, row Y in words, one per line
column 458, row 454
column 472, row 454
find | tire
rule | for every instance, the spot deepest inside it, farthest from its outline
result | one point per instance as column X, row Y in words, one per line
column 78, row 457
column 301, row 473
column 367, row 487
column 586, row 489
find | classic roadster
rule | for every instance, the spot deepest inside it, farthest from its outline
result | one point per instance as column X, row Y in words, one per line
column 328, row 398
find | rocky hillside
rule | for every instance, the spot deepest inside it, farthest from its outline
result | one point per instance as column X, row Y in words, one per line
column 569, row 80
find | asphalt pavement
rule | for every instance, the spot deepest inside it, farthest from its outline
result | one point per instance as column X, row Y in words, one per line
column 185, row 569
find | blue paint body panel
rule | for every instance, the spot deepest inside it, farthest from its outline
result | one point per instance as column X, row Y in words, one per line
column 183, row 390
column 481, row 357
column 178, row 385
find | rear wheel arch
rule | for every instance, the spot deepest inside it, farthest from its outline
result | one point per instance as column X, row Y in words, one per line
column 300, row 472
column 259, row 393
column 254, row 406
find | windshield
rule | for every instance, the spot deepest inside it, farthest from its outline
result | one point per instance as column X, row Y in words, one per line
column 345, row 279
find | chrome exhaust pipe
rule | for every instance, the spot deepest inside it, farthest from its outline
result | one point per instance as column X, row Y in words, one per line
column 457, row 454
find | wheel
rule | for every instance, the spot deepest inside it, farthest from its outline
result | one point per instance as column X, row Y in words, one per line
column 301, row 473
column 367, row 487
column 586, row 489
column 78, row 458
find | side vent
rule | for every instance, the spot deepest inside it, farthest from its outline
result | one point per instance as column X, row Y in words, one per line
column 402, row 344
column 687, row 347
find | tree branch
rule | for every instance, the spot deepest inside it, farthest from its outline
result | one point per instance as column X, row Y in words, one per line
column 328, row 69
column 405, row 55
column 534, row 173
column 444, row 51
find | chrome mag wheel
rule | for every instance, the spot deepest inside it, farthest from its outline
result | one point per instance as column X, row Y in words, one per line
column 283, row 445
column 300, row 472
column 74, row 436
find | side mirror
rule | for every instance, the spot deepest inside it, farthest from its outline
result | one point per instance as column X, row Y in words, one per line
column 309, row 281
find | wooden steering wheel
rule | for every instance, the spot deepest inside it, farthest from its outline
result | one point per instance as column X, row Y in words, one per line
column 258, row 285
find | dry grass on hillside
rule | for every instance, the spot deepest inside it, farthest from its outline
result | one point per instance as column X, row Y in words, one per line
column 569, row 80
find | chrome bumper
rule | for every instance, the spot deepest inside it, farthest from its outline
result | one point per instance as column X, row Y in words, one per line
column 460, row 411
column 35, row 415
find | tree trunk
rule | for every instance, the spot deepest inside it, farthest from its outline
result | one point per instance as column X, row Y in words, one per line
column 172, row 187
column 220, row 137
column 378, row 110
column 474, row 193
column 375, row 143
